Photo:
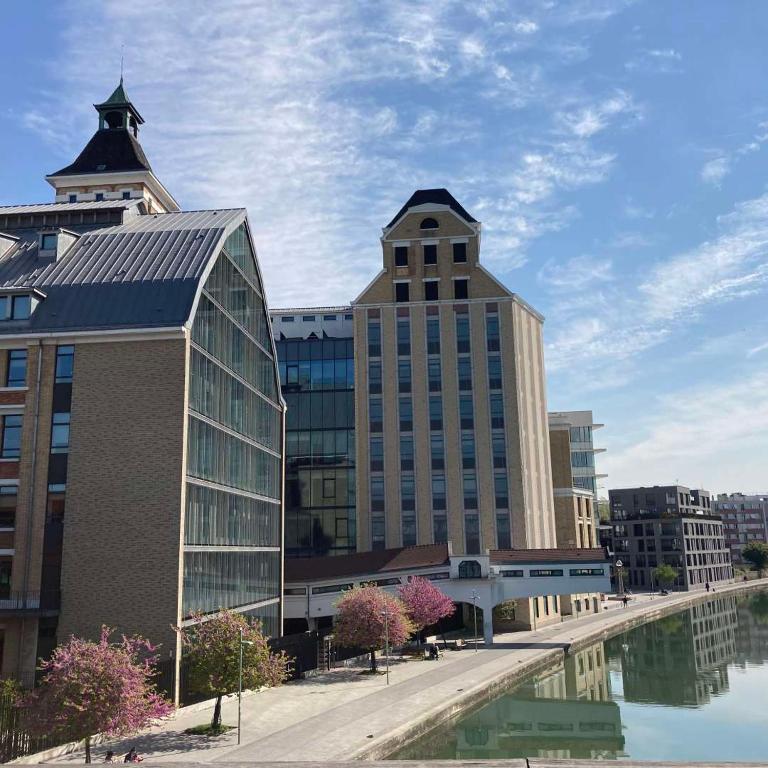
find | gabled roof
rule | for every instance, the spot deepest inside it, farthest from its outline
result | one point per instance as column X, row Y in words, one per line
column 365, row 563
column 143, row 273
column 437, row 196
column 108, row 151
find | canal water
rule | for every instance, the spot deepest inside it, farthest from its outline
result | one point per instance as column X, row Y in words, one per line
column 692, row 686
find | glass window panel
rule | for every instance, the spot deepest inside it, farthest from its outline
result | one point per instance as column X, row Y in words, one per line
column 17, row 368
column 60, row 433
column 462, row 333
column 433, row 335
column 11, row 447
column 65, row 359
column 434, row 376
column 403, row 336
column 468, row 451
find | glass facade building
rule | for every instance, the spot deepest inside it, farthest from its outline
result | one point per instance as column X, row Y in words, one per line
column 316, row 361
column 232, row 532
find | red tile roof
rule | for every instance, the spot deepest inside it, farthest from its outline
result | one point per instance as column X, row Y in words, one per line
column 500, row 556
column 364, row 563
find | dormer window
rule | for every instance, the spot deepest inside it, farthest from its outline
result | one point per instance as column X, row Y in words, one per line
column 18, row 307
column 99, row 197
column 428, row 224
column 48, row 241
column 73, row 198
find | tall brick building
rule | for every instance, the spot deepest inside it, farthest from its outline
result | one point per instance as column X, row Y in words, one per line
column 142, row 423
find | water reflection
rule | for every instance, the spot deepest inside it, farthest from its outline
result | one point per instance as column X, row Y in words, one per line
column 679, row 664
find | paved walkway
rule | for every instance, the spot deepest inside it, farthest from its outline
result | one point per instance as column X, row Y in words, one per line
column 344, row 715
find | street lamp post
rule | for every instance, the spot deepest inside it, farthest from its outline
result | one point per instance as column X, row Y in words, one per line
column 385, row 614
column 474, row 614
column 620, row 577
column 240, row 681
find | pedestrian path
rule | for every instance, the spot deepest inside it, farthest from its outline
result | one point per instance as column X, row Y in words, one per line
column 343, row 715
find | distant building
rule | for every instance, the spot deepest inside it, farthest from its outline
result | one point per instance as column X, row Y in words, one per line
column 672, row 525
column 581, row 426
column 141, row 421
column 745, row 519
column 315, row 349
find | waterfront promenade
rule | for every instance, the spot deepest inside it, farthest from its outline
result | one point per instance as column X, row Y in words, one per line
column 343, row 715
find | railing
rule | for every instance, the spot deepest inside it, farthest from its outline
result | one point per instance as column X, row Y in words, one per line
column 30, row 601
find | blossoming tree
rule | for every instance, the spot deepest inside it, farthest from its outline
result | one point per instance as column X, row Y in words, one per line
column 361, row 621
column 424, row 603
column 96, row 687
column 212, row 648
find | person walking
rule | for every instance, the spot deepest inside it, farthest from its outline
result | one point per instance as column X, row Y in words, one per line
column 625, row 600
column 706, row 586
column 109, row 757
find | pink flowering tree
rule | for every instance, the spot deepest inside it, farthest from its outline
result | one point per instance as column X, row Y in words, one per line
column 96, row 687
column 424, row 603
column 360, row 620
column 212, row 647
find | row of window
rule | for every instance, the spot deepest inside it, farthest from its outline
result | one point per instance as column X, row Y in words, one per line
column 546, row 572
column 431, row 290
column 310, row 318
column 10, row 448
column 99, row 196
column 429, row 254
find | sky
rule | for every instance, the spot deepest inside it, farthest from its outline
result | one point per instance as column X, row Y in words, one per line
column 615, row 152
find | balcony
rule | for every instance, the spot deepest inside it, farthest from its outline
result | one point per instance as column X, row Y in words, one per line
column 29, row 603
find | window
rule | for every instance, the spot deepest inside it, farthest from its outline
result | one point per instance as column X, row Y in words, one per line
column 377, row 454
column 501, row 491
column 503, row 533
column 403, row 336
column 348, row 317
column 375, row 415
column 406, row 414
column 65, row 358
column 465, row 373
column 307, row 318
column 434, row 377
column 287, row 319
column 584, row 435
column 8, row 505
column 374, row 337
column 330, row 588
column 437, row 451
column 430, row 254
column 433, row 335
column 329, row 487
column 460, row 289
column 11, row 447
column 459, row 253
column 406, row 453
column 462, row 333
column 407, row 492
column 466, row 412
column 469, row 569
column 431, row 290
column 401, row 255
column 404, row 376
column 377, row 494
column 22, row 307
column 428, row 223
column 492, row 332
column 438, row 492
column 546, row 572
column 511, row 574
column 472, row 534
column 60, row 433
column 468, row 451
column 48, row 241
column 582, row 459
column 329, row 317
column 497, row 411
column 73, row 198
column 99, row 197
column 17, row 368
column 435, row 412
column 470, row 490
column 126, row 195
column 494, row 372
column 401, row 292
column 440, row 534
column 374, row 378
column 587, row 572
column 499, row 447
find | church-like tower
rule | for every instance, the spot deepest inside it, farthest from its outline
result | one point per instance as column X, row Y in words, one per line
column 113, row 166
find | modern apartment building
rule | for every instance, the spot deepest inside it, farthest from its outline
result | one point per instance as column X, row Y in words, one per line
column 745, row 519
column 142, row 424
column 315, row 349
column 581, row 426
column 672, row 525
column 450, row 412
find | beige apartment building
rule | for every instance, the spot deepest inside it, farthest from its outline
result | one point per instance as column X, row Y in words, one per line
column 451, row 415
column 141, row 423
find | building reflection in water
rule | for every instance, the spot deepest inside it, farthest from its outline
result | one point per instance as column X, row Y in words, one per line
column 680, row 660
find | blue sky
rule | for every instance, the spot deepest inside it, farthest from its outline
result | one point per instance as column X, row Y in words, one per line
column 615, row 151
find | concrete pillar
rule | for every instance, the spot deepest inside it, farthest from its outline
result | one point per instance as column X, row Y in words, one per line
column 488, row 625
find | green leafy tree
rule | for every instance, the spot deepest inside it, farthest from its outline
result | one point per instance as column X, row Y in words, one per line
column 96, row 687
column 665, row 575
column 212, row 648
column 756, row 553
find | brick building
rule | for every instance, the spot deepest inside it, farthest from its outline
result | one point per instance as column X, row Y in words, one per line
column 745, row 519
column 141, row 435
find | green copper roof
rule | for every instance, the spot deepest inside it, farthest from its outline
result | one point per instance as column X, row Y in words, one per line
column 118, row 96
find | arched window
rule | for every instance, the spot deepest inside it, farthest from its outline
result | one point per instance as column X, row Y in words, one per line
column 428, row 224
column 469, row 569
column 114, row 119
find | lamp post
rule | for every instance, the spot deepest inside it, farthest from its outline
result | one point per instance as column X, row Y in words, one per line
column 240, row 681
column 620, row 577
column 474, row 614
column 385, row 614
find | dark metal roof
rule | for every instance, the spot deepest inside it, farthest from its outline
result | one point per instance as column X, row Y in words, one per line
column 365, row 563
column 140, row 274
column 503, row 556
column 109, row 150
column 13, row 210
column 439, row 197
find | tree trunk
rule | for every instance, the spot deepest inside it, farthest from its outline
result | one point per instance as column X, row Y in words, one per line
column 373, row 661
column 216, row 721
column 87, row 749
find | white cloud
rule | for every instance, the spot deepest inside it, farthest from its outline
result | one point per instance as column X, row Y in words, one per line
column 593, row 118
column 526, row 27
column 576, row 274
column 714, row 171
column 655, row 60
column 758, row 349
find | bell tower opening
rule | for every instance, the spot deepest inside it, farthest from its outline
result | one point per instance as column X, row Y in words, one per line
column 114, row 119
